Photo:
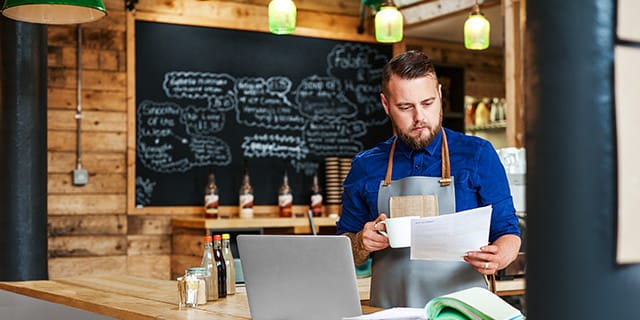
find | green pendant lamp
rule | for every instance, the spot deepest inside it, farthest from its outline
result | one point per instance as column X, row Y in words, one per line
column 476, row 30
column 54, row 11
column 282, row 16
column 388, row 24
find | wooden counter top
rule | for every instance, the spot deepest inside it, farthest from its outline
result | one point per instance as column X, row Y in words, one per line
column 237, row 223
column 133, row 298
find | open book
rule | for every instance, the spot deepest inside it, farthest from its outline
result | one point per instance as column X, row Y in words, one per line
column 469, row 304
column 473, row 303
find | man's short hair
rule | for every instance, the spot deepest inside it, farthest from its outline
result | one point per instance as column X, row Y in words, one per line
column 408, row 65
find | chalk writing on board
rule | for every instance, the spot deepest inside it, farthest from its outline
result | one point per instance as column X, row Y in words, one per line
column 170, row 139
column 264, row 103
column 274, row 145
column 202, row 121
column 197, row 85
column 308, row 168
column 144, row 189
column 359, row 69
column 322, row 97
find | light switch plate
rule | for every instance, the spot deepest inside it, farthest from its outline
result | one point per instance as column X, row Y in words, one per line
column 80, row 177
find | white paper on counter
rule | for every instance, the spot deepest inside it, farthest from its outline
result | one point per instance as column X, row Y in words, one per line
column 395, row 314
column 449, row 237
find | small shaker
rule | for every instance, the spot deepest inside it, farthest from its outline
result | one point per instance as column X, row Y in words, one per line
column 182, row 293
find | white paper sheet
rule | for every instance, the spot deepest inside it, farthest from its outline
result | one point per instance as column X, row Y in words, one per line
column 395, row 314
column 450, row 236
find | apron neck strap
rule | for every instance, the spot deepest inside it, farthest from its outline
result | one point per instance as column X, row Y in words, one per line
column 446, row 166
column 445, row 180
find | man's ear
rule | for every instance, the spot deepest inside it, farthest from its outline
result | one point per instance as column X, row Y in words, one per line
column 385, row 103
column 440, row 90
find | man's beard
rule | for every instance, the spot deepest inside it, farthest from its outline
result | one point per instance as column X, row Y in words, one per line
column 420, row 142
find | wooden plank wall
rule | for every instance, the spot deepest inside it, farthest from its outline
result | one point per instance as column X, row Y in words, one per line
column 90, row 232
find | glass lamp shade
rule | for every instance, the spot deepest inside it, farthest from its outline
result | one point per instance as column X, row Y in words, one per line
column 54, row 11
column 282, row 16
column 388, row 23
column 476, row 32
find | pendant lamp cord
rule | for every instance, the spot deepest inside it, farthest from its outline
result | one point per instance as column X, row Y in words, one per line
column 79, row 115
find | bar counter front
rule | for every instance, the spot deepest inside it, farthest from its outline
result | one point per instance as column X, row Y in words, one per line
column 133, row 298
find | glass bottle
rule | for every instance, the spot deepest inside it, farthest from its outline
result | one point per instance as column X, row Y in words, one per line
column 246, row 197
column 211, row 198
column 208, row 262
column 315, row 204
column 222, row 268
column 482, row 113
column 229, row 263
column 285, row 198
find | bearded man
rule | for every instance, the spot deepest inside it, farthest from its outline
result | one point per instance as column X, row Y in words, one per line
column 423, row 158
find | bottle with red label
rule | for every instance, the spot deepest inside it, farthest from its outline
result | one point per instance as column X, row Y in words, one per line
column 315, row 203
column 211, row 198
column 246, row 197
column 285, row 198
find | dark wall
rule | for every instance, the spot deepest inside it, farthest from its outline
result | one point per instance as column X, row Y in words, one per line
column 571, row 155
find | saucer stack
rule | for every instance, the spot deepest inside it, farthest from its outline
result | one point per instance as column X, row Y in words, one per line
column 333, row 182
column 336, row 170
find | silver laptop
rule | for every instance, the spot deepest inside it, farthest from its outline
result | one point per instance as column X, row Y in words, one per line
column 299, row 277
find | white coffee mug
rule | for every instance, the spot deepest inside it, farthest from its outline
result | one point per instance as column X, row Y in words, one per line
column 398, row 231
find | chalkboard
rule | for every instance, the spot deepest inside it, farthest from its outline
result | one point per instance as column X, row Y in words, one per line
column 211, row 99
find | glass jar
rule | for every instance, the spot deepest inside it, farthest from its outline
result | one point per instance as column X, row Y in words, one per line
column 204, row 281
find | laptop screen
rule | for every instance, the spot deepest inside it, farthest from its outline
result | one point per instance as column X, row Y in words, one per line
column 299, row 276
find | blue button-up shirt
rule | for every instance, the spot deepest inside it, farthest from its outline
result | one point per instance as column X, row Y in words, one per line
column 479, row 180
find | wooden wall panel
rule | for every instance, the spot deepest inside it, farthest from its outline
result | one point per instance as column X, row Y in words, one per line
column 93, row 120
column 87, row 246
column 75, row 267
column 154, row 266
column 150, row 225
column 63, row 98
column 65, row 162
column 65, row 204
column 87, row 225
column 148, row 244
column 91, row 141
column 98, row 184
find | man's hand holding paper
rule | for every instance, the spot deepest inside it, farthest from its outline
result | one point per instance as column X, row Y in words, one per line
column 451, row 236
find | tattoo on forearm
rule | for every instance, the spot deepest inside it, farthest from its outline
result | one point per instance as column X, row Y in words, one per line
column 360, row 255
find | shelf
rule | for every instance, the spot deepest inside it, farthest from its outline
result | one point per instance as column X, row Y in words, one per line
column 491, row 126
column 235, row 223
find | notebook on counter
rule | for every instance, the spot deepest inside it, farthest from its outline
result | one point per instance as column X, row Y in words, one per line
column 299, row 277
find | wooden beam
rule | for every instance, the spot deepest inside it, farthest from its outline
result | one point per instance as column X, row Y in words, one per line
column 513, row 57
column 431, row 10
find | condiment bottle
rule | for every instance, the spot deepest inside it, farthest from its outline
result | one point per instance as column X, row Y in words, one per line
column 221, row 265
column 208, row 262
column 229, row 263
column 211, row 198
column 246, row 197
column 315, row 204
column 482, row 113
column 285, row 198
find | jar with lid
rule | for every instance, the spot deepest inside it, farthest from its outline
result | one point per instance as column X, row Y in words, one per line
column 203, row 278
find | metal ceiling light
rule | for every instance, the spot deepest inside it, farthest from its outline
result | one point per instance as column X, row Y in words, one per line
column 476, row 30
column 282, row 16
column 54, row 11
column 389, row 23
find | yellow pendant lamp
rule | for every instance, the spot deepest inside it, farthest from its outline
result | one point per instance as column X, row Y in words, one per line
column 389, row 24
column 54, row 11
column 282, row 16
column 476, row 30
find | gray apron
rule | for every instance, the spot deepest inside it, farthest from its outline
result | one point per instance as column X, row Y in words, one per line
column 397, row 281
